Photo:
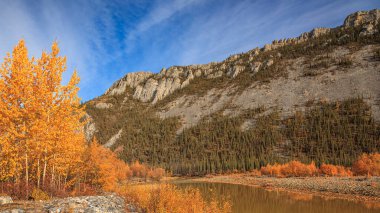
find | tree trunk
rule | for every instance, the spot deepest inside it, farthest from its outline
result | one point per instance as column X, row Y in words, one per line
column 52, row 172
column 38, row 173
column 26, row 175
column 45, row 159
column 44, row 172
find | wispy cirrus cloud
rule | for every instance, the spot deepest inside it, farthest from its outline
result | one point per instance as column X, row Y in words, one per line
column 104, row 40
column 87, row 38
column 213, row 30
column 160, row 11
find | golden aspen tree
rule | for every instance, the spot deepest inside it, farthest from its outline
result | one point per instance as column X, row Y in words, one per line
column 41, row 132
column 15, row 120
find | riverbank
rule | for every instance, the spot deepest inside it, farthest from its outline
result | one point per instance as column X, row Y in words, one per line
column 351, row 188
column 100, row 203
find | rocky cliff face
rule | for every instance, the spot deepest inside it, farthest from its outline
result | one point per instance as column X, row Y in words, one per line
column 149, row 87
column 131, row 80
column 362, row 18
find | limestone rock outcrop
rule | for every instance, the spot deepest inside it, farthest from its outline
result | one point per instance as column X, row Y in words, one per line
column 255, row 67
column 151, row 88
column 235, row 70
column 146, row 92
column 366, row 19
column 103, row 105
column 113, row 139
column 131, row 79
column 188, row 79
column 154, row 90
column 362, row 18
column 89, row 128
column 215, row 75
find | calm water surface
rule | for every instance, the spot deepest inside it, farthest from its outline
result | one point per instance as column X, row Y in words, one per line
column 247, row 199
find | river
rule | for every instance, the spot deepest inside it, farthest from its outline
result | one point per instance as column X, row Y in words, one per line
column 248, row 199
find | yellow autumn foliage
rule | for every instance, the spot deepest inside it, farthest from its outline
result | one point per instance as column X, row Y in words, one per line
column 169, row 198
column 41, row 134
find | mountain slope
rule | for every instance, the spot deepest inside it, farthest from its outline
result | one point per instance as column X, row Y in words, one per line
column 315, row 97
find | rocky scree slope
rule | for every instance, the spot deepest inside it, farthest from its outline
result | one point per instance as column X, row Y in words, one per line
column 324, row 65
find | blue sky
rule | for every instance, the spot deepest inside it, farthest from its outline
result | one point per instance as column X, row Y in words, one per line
column 104, row 40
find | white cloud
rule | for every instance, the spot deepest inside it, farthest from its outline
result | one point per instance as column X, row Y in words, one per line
column 249, row 24
column 160, row 12
column 84, row 32
column 157, row 33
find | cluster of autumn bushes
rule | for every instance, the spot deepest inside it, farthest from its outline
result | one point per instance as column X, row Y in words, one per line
column 103, row 169
column 169, row 198
column 366, row 164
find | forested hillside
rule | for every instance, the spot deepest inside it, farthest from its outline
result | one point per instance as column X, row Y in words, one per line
column 312, row 98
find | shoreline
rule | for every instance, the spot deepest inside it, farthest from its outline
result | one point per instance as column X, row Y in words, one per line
column 357, row 189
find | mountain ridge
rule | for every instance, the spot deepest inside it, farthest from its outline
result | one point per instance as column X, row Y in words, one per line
column 177, row 77
column 240, row 113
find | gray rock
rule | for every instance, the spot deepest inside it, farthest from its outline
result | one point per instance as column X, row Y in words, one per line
column 146, row 92
column 5, row 200
column 368, row 30
column 362, row 17
column 207, row 72
column 317, row 32
column 165, row 87
column 198, row 73
column 13, row 211
column 235, row 70
column 155, row 90
column 91, row 204
column 269, row 63
column 109, row 203
column 103, row 105
column 215, row 75
column 113, row 139
column 255, row 67
column 188, row 79
column 131, row 79
column 89, row 128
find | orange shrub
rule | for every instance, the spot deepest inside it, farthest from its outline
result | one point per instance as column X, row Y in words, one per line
column 332, row 170
column 102, row 168
column 156, row 174
column 139, row 170
column 168, row 198
column 291, row 169
column 272, row 170
column 367, row 164
column 298, row 169
column 144, row 171
column 255, row 173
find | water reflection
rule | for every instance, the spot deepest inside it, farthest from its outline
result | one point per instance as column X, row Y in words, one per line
column 246, row 199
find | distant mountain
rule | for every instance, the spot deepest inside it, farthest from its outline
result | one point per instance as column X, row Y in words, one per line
column 314, row 97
